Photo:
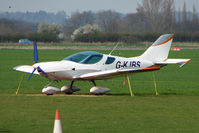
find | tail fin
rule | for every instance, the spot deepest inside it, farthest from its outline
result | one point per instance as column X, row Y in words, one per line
column 159, row 50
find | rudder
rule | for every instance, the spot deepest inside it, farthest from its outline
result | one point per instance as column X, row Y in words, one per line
column 159, row 50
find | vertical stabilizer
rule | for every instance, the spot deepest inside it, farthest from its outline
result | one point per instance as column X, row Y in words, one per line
column 159, row 50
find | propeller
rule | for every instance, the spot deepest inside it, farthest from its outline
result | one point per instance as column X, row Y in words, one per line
column 36, row 61
column 35, row 53
column 31, row 74
column 40, row 70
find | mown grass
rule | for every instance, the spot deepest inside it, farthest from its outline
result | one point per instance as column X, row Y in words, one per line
column 174, row 110
column 68, row 45
column 105, row 45
column 100, row 114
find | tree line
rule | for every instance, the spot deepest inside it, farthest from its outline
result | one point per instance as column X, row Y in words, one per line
column 36, row 17
column 12, row 31
column 153, row 18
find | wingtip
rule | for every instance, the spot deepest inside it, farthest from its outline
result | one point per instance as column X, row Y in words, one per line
column 15, row 68
column 187, row 61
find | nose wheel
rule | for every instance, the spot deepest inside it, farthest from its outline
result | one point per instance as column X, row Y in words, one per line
column 49, row 83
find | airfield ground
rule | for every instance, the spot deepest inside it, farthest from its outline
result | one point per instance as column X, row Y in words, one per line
column 176, row 109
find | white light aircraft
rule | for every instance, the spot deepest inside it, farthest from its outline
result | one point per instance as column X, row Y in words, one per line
column 91, row 66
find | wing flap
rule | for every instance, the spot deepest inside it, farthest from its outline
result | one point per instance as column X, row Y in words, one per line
column 25, row 68
column 182, row 62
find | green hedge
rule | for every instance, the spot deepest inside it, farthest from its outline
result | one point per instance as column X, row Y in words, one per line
column 133, row 38
column 100, row 37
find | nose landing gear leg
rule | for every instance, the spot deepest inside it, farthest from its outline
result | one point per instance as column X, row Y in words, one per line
column 93, row 81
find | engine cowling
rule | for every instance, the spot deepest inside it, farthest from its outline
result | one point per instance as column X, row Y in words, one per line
column 97, row 90
column 50, row 90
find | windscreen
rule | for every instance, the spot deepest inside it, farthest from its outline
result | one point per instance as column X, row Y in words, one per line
column 85, row 57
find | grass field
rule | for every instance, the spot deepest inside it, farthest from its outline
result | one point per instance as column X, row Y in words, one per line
column 174, row 110
column 71, row 45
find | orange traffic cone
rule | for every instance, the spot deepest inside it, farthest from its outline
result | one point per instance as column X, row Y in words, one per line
column 57, row 125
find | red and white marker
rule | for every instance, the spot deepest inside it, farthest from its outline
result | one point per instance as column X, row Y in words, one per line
column 176, row 48
column 57, row 125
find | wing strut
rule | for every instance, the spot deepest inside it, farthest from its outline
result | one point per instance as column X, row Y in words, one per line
column 127, row 76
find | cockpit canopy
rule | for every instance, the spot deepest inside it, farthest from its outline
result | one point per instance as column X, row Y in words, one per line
column 85, row 57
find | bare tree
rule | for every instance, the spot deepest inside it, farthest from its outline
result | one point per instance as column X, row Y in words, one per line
column 184, row 14
column 157, row 13
column 14, row 26
column 194, row 26
column 5, row 29
column 79, row 19
column 194, row 17
column 133, row 23
column 179, row 16
column 108, row 20
column 169, row 15
column 151, row 11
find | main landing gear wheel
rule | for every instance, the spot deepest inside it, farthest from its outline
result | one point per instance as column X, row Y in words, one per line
column 97, row 90
column 70, row 89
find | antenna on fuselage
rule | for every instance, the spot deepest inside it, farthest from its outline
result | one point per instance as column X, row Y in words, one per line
column 113, row 48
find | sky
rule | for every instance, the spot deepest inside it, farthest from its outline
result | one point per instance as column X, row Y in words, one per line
column 70, row 6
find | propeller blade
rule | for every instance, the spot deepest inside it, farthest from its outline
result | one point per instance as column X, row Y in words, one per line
column 31, row 74
column 40, row 70
column 35, row 53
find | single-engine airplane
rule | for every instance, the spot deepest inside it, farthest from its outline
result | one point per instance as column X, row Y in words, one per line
column 91, row 66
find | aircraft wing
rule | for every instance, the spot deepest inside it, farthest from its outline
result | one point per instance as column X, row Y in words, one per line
column 182, row 62
column 25, row 68
column 107, row 73
column 97, row 75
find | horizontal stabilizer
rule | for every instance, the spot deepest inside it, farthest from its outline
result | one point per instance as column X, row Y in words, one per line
column 25, row 68
column 182, row 62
